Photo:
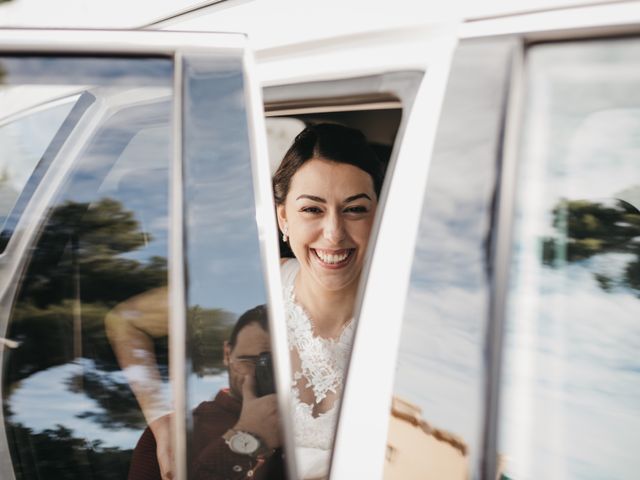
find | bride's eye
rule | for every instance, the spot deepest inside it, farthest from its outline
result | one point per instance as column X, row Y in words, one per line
column 356, row 209
column 311, row 210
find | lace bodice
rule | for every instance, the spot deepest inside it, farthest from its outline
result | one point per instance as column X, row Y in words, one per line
column 318, row 364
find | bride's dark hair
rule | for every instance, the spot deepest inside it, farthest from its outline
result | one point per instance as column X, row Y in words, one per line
column 332, row 142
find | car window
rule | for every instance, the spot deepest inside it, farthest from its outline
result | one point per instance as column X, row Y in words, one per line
column 571, row 384
column 67, row 401
column 436, row 418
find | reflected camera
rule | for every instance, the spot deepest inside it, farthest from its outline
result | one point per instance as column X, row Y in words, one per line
column 264, row 375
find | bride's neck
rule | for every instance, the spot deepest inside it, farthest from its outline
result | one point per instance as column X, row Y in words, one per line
column 329, row 310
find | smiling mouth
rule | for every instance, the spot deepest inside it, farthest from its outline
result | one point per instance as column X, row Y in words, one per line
column 334, row 258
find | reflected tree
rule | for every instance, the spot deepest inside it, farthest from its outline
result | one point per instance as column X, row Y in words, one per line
column 78, row 269
column 61, row 455
column 587, row 229
column 89, row 257
column 209, row 329
column 89, row 240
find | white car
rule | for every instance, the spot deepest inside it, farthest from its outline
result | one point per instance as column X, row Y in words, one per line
column 498, row 318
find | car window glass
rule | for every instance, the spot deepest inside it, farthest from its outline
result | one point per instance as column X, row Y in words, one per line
column 23, row 142
column 68, row 402
column 436, row 419
column 571, row 382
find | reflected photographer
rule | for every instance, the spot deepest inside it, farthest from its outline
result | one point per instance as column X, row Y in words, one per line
column 237, row 434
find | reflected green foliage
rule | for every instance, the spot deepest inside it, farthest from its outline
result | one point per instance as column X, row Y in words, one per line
column 62, row 456
column 77, row 269
column 46, row 338
column 587, row 229
column 87, row 241
column 209, row 329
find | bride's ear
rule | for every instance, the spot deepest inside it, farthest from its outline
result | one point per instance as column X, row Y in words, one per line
column 282, row 218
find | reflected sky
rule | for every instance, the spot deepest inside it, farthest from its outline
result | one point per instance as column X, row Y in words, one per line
column 440, row 365
column 222, row 243
column 76, row 70
column 571, row 396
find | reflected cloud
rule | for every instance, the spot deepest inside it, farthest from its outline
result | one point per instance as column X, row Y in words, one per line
column 440, row 348
column 582, row 380
column 45, row 400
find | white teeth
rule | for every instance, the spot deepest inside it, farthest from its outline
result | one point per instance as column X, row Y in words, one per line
column 332, row 258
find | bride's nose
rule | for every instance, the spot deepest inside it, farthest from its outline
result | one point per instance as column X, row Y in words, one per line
column 333, row 228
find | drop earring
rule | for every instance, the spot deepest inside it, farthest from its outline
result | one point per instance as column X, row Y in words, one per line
column 285, row 234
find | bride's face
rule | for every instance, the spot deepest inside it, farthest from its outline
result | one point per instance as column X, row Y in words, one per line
column 328, row 213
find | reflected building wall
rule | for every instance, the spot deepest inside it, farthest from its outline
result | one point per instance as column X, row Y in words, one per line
column 415, row 449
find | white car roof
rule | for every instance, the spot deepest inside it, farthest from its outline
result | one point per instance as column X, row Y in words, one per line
column 263, row 19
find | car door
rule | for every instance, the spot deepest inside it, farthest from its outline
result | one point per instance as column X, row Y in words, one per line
column 137, row 225
column 517, row 352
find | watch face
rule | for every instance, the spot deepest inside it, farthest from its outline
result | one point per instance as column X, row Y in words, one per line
column 244, row 443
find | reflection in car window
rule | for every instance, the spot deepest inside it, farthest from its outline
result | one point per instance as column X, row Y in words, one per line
column 69, row 410
column 437, row 411
column 225, row 283
column 22, row 143
column 571, row 369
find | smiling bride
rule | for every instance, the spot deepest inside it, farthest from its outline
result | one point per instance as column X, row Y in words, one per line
column 326, row 193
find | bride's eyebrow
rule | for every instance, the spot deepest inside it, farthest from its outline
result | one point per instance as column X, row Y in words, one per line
column 357, row 197
column 312, row 197
column 350, row 199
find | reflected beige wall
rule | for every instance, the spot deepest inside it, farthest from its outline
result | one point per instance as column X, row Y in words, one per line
column 416, row 450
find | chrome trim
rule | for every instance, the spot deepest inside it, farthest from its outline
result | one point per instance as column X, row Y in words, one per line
column 116, row 42
column 177, row 282
column 270, row 254
column 604, row 19
column 382, row 300
column 502, row 251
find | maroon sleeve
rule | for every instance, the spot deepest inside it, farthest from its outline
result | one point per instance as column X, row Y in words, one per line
column 144, row 462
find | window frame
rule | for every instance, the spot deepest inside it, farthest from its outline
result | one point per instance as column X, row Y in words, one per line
column 372, row 92
column 419, row 94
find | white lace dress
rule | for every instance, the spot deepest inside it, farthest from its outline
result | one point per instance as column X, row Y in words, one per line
column 318, row 367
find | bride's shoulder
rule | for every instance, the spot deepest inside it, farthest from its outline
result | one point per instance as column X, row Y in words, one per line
column 288, row 268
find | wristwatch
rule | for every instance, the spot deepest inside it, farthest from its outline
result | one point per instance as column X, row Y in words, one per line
column 246, row 443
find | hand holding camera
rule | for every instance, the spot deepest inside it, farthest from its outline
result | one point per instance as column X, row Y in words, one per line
column 259, row 415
